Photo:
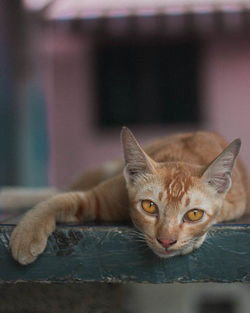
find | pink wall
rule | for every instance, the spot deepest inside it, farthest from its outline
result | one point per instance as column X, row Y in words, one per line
column 74, row 141
column 226, row 84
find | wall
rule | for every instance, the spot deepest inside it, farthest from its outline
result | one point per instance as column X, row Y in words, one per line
column 226, row 84
column 76, row 144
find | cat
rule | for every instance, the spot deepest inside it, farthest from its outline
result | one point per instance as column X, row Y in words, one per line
column 174, row 190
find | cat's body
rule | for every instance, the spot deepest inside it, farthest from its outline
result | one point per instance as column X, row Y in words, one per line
column 164, row 191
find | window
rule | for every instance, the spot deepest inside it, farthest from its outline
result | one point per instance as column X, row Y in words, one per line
column 144, row 82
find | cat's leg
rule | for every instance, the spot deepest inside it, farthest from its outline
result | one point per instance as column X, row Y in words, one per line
column 108, row 202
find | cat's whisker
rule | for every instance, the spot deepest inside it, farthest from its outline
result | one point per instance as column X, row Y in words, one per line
column 136, row 235
column 138, row 240
column 136, row 231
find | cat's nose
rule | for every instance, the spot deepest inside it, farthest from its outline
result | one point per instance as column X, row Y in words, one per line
column 166, row 243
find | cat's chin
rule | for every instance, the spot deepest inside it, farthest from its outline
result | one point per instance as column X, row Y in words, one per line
column 167, row 254
column 173, row 253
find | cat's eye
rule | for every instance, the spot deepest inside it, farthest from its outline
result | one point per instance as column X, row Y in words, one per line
column 194, row 215
column 149, row 207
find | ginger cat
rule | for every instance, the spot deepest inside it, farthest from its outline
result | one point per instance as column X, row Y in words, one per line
column 174, row 191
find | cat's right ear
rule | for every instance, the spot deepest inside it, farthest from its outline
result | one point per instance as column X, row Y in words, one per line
column 137, row 162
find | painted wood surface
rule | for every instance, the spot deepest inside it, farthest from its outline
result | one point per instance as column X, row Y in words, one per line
column 112, row 254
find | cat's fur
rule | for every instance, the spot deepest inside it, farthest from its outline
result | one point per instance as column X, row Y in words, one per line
column 177, row 173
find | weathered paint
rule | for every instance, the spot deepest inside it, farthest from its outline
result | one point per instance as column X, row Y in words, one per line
column 112, row 254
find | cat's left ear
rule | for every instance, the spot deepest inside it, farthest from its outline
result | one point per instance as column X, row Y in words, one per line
column 218, row 173
column 137, row 162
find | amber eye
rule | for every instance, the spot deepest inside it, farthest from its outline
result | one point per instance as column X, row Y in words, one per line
column 194, row 215
column 149, row 206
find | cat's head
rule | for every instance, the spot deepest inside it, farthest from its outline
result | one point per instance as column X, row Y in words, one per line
column 174, row 204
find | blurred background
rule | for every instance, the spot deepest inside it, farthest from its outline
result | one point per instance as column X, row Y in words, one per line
column 73, row 72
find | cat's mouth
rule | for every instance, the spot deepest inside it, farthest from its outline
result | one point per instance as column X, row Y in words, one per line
column 162, row 252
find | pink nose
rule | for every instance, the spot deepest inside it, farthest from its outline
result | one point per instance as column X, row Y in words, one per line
column 166, row 243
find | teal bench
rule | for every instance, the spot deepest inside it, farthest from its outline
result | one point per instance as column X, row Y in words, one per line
column 110, row 253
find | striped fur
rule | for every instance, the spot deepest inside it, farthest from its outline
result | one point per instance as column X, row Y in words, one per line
column 178, row 173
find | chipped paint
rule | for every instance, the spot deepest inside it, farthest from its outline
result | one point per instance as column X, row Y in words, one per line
column 109, row 254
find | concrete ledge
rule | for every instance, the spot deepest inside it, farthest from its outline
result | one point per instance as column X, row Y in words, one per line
column 112, row 254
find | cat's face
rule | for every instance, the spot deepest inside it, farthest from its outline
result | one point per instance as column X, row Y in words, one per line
column 174, row 210
column 174, row 204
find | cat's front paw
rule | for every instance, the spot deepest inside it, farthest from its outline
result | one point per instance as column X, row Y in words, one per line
column 29, row 239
